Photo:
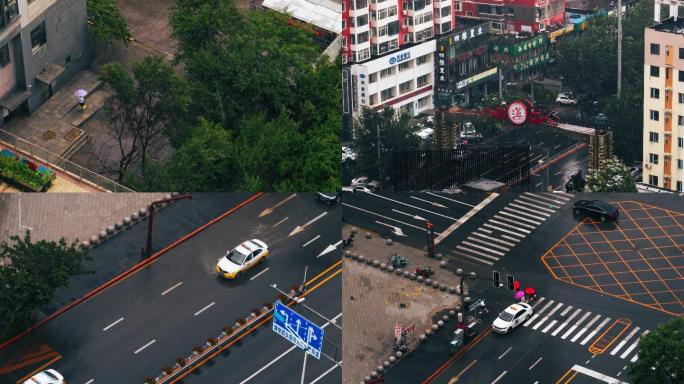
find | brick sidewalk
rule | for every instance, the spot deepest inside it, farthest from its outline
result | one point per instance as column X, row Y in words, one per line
column 371, row 303
column 72, row 215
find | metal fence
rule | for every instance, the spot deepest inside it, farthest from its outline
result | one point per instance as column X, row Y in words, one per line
column 449, row 168
column 51, row 159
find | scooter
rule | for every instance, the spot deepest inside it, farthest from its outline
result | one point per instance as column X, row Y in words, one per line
column 424, row 271
column 397, row 261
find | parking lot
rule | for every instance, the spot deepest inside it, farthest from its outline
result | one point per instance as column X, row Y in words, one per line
column 639, row 258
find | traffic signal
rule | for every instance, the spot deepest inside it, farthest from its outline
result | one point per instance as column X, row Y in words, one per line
column 510, row 281
column 496, row 277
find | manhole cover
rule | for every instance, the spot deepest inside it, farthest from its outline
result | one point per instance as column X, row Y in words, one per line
column 72, row 135
column 48, row 135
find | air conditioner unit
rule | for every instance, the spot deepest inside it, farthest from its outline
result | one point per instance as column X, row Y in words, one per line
column 648, row 165
column 405, row 12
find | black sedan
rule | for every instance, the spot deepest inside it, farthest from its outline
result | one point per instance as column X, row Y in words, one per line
column 329, row 198
column 596, row 208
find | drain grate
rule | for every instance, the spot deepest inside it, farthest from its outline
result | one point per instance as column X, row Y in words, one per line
column 48, row 135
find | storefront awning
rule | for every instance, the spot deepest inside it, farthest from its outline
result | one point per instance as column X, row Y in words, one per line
column 14, row 99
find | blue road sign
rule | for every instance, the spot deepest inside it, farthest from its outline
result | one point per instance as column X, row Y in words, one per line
column 300, row 331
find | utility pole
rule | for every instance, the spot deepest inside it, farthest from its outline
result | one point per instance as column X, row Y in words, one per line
column 619, row 50
column 377, row 130
column 500, row 72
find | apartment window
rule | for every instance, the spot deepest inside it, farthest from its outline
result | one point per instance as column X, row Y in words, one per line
column 655, row 49
column 407, row 38
column 679, row 186
column 404, row 87
column 496, row 25
column 387, row 94
column 392, row 11
column 361, row 20
column 653, row 137
column 362, row 37
column 382, row 31
column 422, row 80
column 423, row 101
column 373, row 99
column 680, row 120
column 446, row 11
column 361, row 4
column 655, row 93
column 655, row 71
column 655, row 115
column 38, row 37
column 681, row 53
column 422, row 59
column 11, row 9
column 653, row 180
column 386, row 72
column 446, row 27
column 680, row 164
column 681, row 98
column 4, row 56
column 681, row 75
column 404, row 66
column 483, row 9
column 373, row 77
column 653, row 158
column 680, row 142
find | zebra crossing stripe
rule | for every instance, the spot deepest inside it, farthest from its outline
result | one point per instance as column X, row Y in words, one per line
column 635, row 358
column 513, row 204
column 551, row 324
column 526, row 201
column 595, row 331
column 585, row 328
column 488, row 243
column 510, row 238
column 538, row 302
column 545, row 198
column 548, row 304
column 536, row 326
column 482, row 248
column 473, row 258
column 574, row 326
column 565, row 312
column 531, row 320
column 494, row 239
column 533, row 224
column 514, row 222
column 484, row 230
column 557, row 196
column 511, row 226
column 534, row 218
column 631, row 347
column 504, row 230
column 624, row 341
column 477, row 253
column 565, row 324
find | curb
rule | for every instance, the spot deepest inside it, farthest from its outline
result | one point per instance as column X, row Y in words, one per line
column 128, row 272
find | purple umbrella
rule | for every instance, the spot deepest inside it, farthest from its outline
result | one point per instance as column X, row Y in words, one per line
column 81, row 93
column 518, row 295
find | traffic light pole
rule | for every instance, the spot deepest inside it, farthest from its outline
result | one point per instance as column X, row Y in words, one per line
column 430, row 238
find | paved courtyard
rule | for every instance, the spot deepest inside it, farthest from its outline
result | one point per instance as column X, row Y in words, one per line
column 640, row 258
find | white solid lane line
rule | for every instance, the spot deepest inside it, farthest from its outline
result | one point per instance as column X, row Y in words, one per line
column 528, row 202
column 504, row 354
column 205, row 308
column 452, row 200
column 624, row 341
column 89, row 381
column 429, row 202
column 596, row 375
column 595, row 331
column 520, row 235
column 535, row 363
column 574, row 326
column 265, row 367
column 510, row 238
column 172, row 288
column 536, row 212
column 280, row 222
column 144, row 346
column 499, row 378
column 533, row 218
column 631, row 347
column 510, row 226
column 466, row 217
column 112, row 324
column 412, row 206
column 384, row 217
column 409, row 215
column 311, row 241
column 259, row 274
column 325, row 373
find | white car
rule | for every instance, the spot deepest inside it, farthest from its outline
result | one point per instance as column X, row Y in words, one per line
column 242, row 258
column 364, row 181
column 348, row 154
column 425, row 133
column 565, row 99
column 511, row 317
column 48, row 376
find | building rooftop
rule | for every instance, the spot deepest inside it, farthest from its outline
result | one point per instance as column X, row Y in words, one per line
column 590, row 5
column 670, row 25
column 325, row 14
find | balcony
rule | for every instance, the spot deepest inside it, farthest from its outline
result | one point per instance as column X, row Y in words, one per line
column 667, row 167
column 668, row 100
column 668, row 122
column 668, row 78
column 668, row 144
column 668, row 57
column 667, row 182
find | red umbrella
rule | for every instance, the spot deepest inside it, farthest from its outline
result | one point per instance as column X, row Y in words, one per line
column 529, row 291
column 516, row 285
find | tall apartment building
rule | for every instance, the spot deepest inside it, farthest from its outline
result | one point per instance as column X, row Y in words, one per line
column 42, row 44
column 510, row 16
column 663, row 139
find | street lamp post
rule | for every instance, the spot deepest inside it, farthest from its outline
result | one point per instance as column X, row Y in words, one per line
column 471, row 275
column 377, row 131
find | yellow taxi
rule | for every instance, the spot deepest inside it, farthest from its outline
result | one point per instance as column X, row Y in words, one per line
column 242, row 258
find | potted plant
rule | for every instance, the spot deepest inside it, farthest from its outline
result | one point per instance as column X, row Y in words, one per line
column 196, row 351
column 228, row 330
column 211, row 341
column 181, row 361
column 150, row 380
column 166, row 371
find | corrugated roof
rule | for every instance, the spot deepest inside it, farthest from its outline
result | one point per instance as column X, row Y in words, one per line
column 325, row 14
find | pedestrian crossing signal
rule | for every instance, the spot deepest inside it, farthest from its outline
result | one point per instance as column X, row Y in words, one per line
column 496, row 278
column 510, row 280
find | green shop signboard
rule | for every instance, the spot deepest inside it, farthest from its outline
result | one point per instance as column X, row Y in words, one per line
column 531, row 62
column 521, row 47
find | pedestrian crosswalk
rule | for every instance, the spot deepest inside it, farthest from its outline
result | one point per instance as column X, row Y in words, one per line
column 552, row 318
column 500, row 233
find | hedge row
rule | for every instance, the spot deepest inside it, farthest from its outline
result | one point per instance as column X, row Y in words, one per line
column 19, row 173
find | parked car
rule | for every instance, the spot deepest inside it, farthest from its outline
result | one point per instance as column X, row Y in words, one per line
column 511, row 317
column 242, row 258
column 565, row 99
column 329, row 198
column 596, row 208
column 365, row 181
column 48, row 376
column 348, row 154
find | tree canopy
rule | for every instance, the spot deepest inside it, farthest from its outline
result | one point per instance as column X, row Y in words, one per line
column 31, row 274
column 660, row 355
column 107, row 23
column 614, row 177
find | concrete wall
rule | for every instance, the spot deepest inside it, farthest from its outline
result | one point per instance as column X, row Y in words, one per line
column 8, row 77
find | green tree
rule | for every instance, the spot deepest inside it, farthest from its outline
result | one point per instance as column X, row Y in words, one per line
column 396, row 134
column 660, row 355
column 31, row 274
column 614, row 177
column 143, row 108
column 107, row 23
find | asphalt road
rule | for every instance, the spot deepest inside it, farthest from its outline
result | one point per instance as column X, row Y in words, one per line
column 560, row 172
column 562, row 341
column 177, row 302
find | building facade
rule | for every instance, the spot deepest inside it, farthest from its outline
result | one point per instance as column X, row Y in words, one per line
column 42, row 44
column 663, row 138
column 511, row 16
column 522, row 59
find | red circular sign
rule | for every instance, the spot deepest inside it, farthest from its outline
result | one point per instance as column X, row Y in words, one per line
column 517, row 113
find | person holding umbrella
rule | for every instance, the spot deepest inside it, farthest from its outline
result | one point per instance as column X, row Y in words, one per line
column 81, row 94
column 531, row 294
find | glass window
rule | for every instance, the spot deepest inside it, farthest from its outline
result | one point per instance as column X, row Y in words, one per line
column 680, row 164
column 655, row 71
column 655, row 93
column 4, row 55
column 653, row 137
column 681, row 75
column 653, row 180
column 681, row 53
column 405, row 65
column 655, row 115
column 681, row 98
column 653, row 158
column 679, row 186
column 680, row 120
column 38, row 37
column 680, row 142
column 655, row 49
